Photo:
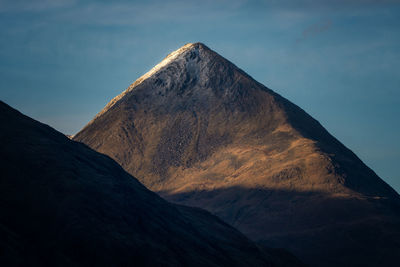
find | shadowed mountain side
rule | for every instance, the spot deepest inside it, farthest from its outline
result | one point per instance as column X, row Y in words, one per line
column 363, row 231
column 63, row 204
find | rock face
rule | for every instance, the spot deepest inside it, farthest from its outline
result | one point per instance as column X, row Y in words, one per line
column 63, row 204
column 201, row 132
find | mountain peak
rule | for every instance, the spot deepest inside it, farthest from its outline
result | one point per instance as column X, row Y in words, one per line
column 173, row 56
column 195, row 45
column 201, row 132
column 194, row 80
column 176, row 55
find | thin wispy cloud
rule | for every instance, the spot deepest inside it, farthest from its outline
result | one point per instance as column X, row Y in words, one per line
column 315, row 29
column 125, row 13
column 17, row 6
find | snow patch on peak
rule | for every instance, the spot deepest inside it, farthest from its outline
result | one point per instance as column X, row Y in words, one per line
column 168, row 59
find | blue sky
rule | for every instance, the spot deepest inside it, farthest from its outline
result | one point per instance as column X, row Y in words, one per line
column 61, row 61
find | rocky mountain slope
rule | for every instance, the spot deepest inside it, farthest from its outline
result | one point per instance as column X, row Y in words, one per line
column 201, row 132
column 63, row 204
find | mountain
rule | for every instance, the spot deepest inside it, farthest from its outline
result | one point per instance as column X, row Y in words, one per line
column 201, row 132
column 63, row 204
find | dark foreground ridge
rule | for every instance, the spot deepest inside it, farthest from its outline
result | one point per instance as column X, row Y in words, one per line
column 201, row 132
column 63, row 204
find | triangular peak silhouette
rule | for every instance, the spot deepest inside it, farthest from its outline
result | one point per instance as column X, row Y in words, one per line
column 200, row 131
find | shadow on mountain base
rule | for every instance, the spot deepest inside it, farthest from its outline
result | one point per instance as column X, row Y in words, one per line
column 320, row 229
